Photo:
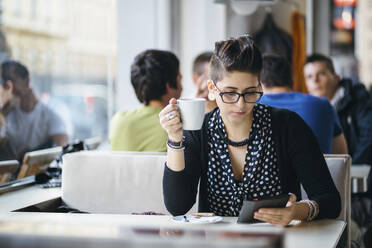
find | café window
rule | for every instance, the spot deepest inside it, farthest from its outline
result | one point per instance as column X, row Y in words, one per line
column 70, row 55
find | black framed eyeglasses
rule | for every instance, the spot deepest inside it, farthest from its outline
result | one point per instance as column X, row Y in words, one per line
column 233, row 97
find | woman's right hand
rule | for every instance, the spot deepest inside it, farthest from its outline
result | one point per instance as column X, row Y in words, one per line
column 170, row 120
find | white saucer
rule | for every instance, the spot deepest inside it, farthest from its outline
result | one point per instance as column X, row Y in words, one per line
column 189, row 219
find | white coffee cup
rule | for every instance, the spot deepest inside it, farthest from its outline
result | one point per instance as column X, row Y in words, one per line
column 192, row 112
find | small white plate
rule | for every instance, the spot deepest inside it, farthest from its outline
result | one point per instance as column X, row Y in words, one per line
column 189, row 219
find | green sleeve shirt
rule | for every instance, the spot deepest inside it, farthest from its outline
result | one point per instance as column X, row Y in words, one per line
column 138, row 130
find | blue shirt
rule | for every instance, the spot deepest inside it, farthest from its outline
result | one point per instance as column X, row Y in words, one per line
column 317, row 112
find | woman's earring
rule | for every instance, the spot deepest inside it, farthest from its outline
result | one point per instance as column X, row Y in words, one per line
column 211, row 97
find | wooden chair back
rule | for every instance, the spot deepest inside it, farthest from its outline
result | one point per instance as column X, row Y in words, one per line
column 7, row 168
column 37, row 161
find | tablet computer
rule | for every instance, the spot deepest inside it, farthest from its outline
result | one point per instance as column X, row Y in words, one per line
column 251, row 206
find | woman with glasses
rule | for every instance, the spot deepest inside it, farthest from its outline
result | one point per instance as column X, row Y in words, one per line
column 245, row 150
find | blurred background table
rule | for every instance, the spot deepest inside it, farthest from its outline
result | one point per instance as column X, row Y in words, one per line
column 359, row 175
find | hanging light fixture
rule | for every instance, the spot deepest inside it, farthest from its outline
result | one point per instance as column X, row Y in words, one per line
column 246, row 7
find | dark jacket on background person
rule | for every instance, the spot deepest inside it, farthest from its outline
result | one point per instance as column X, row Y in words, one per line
column 300, row 160
column 355, row 114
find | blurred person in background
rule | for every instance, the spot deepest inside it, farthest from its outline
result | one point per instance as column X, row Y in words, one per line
column 317, row 112
column 156, row 78
column 6, row 93
column 30, row 124
column 352, row 102
column 200, row 76
column 354, row 107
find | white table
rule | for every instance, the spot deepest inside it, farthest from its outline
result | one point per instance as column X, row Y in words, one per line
column 15, row 226
column 323, row 233
column 27, row 196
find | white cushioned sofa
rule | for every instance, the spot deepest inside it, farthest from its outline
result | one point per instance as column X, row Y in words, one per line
column 114, row 182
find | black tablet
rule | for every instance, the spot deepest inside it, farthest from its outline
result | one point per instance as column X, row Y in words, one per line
column 251, row 206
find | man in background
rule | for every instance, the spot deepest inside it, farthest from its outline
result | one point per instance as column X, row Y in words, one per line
column 6, row 94
column 200, row 76
column 316, row 112
column 30, row 125
column 352, row 102
column 354, row 108
column 156, row 79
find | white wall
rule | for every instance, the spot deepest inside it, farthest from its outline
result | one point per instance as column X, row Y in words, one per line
column 202, row 24
column 141, row 25
column 189, row 27
column 364, row 41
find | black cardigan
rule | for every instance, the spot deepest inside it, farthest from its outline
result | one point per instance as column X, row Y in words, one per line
column 300, row 160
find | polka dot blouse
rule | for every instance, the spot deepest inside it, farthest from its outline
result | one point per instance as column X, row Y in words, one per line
column 260, row 174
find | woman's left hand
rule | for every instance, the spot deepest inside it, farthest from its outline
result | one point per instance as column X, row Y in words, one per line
column 278, row 216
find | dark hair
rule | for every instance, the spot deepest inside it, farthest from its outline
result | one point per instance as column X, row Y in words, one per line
column 151, row 71
column 276, row 72
column 12, row 70
column 199, row 61
column 317, row 57
column 235, row 54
